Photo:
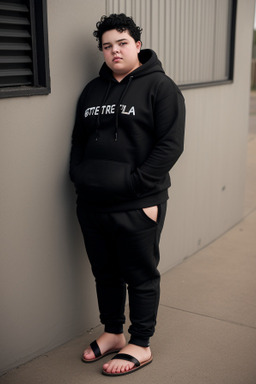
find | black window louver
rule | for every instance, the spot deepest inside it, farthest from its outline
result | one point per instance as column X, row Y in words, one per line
column 24, row 54
column 16, row 54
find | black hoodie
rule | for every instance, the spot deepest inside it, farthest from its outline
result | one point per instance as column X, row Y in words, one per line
column 127, row 136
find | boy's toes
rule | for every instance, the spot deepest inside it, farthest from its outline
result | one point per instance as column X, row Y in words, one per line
column 105, row 366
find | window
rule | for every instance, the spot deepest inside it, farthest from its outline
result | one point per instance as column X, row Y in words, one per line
column 24, row 63
column 194, row 39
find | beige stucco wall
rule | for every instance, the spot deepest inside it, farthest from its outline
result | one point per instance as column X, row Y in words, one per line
column 47, row 292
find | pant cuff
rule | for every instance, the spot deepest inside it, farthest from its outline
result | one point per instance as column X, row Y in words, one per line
column 141, row 342
column 116, row 329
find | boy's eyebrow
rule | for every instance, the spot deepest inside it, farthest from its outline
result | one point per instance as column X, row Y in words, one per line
column 118, row 41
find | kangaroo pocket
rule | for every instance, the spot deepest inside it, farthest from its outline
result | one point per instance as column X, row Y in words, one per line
column 104, row 180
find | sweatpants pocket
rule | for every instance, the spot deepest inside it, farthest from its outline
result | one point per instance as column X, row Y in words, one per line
column 147, row 217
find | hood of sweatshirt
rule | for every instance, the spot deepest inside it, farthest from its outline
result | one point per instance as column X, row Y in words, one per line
column 151, row 64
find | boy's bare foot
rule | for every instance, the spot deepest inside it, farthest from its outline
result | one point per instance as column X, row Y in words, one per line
column 120, row 366
column 106, row 342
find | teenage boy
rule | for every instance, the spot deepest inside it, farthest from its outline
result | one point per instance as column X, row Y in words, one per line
column 128, row 134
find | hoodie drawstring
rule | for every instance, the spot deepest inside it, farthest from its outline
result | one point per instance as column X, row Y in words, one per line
column 118, row 106
column 116, row 112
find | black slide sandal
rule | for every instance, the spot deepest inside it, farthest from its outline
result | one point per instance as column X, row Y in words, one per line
column 124, row 356
column 98, row 355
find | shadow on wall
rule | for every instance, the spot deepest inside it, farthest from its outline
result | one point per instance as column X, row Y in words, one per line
column 83, row 305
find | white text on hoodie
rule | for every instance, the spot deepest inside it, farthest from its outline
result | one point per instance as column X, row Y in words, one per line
column 108, row 110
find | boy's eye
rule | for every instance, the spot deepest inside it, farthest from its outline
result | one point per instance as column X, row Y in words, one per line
column 123, row 43
column 107, row 47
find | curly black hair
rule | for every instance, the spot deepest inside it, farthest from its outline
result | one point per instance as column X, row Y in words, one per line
column 120, row 22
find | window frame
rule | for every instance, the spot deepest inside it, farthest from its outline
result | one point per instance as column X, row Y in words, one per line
column 153, row 16
column 40, row 57
column 230, row 79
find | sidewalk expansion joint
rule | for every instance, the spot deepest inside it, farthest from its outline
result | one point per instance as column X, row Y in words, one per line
column 248, row 214
column 208, row 316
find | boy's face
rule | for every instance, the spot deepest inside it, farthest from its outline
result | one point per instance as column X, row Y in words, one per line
column 120, row 52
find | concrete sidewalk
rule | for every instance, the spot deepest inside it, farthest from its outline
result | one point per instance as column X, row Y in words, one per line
column 206, row 330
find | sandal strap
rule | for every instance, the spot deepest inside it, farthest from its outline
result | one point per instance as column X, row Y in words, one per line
column 125, row 356
column 95, row 348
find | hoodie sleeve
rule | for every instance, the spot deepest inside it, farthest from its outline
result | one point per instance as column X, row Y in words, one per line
column 169, row 119
column 77, row 142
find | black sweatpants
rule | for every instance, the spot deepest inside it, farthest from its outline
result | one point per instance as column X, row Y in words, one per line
column 123, row 249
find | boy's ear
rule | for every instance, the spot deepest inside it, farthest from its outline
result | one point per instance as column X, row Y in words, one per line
column 138, row 46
